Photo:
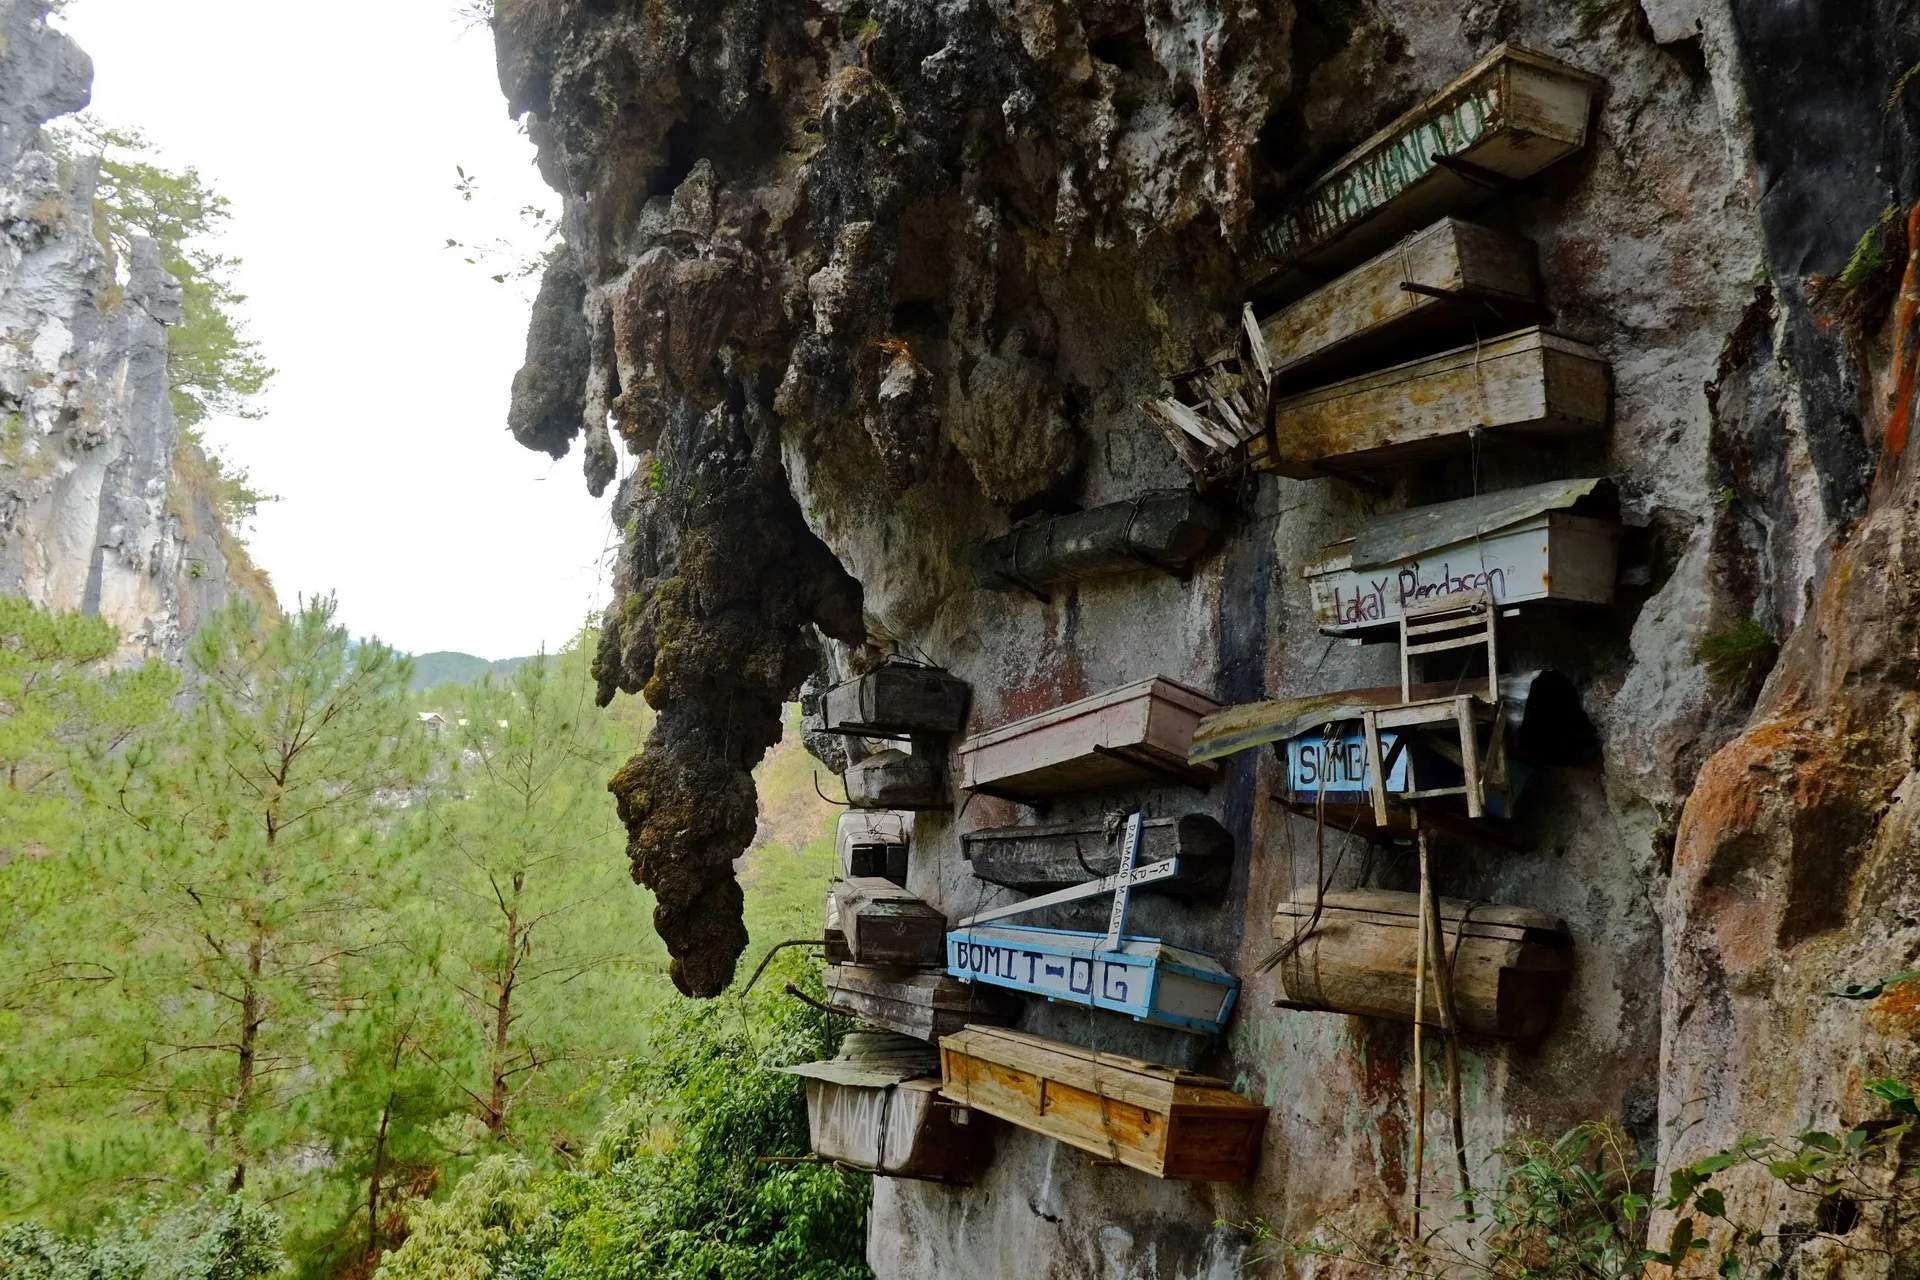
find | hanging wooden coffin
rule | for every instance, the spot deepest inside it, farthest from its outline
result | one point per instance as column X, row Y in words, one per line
column 894, row 779
column 1165, row 531
column 878, row 1107
column 1510, row 964
column 1144, row 978
column 1447, row 277
column 1521, row 546
column 896, row 700
column 1508, row 117
column 1531, row 381
column 1160, row 1120
column 883, row 924
column 924, row 1003
column 1041, row 859
column 874, row 843
column 1137, row 734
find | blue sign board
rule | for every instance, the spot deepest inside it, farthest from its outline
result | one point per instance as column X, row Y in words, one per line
column 1142, row 978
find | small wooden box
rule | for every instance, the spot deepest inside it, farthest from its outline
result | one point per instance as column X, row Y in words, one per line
column 1510, row 967
column 1040, row 859
column 1509, row 116
column 883, row 924
column 1137, row 734
column 1459, row 274
column 1157, row 1119
column 896, row 700
column 892, row 779
column 923, row 1003
column 1531, row 381
column 878, row 1107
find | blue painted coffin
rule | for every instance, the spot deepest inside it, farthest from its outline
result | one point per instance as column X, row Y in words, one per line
column 1144, row 978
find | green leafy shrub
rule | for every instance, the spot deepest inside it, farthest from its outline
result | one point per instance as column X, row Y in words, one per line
column 220, row 1238
column 1738, row 657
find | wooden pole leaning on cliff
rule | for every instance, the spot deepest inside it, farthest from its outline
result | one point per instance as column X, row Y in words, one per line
column 1419, row 1021
column 1449, row 1021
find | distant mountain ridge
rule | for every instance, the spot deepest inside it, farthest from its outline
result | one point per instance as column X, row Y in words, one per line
column 447, row 667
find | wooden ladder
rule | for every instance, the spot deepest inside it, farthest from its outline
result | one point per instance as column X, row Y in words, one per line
column 1460, row 621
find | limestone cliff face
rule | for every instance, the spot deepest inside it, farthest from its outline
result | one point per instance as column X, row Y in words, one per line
column 861, row 281
column 92, row 515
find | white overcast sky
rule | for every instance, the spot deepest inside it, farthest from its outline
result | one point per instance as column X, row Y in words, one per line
column 385, row 432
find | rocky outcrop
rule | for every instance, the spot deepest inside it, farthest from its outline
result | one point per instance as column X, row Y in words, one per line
column 94, row 514
column 864, row 281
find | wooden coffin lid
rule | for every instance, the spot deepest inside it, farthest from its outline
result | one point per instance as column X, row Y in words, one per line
column 1152, row 1085
column 1158, row 687
column 856, row 892
column 1389, row 909
column 872, row 1060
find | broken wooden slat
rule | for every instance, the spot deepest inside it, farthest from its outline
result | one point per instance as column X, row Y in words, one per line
column 1508, row 117
column 1138, row 733
column 1459, row 273
column 923, row 1003
column 1167, row 530
column 896, row 700
column 1041, row 859
column 883, row 924
column 1531, row 381
column 1159, row 1120
column 1512, row 963
column 1142, row 978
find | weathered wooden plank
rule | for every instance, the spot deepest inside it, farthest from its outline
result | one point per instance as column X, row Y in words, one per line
column 1140, row 732
column 1553, row 557
column 1167, row 530
column 1510, row 965
column 1143, row 978
column 894, row 779
column 896, row 700
column 1040, row 859
column 1530, row 381
column 883, row 924
column 924, row 1003
column 1158, row 1120
column 1458, row 272
column 1508, row 117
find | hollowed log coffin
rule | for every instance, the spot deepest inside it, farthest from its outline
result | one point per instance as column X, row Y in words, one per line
column 895, row 779
column 879, row 923
column 1158, row 1119
column 1510, row 965
column 1166, row 531
column 1040, row 859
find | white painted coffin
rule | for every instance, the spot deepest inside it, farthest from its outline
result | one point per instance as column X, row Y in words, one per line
column 1522, row 546
column 1508, row 117
column 1144, row 978
column 1139, row 733
column 878, row 1107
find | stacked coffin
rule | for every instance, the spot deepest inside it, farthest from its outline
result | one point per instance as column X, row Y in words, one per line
column 903, row 701
column 1139, row 733
column 1431, row 340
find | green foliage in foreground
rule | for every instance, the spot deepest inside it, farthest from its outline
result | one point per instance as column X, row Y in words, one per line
column 697, row 1174
column 216, row 1239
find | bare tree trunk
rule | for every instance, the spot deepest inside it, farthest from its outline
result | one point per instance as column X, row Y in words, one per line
column 251, row 1016
column 373, row 1180
column 503, row 1020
